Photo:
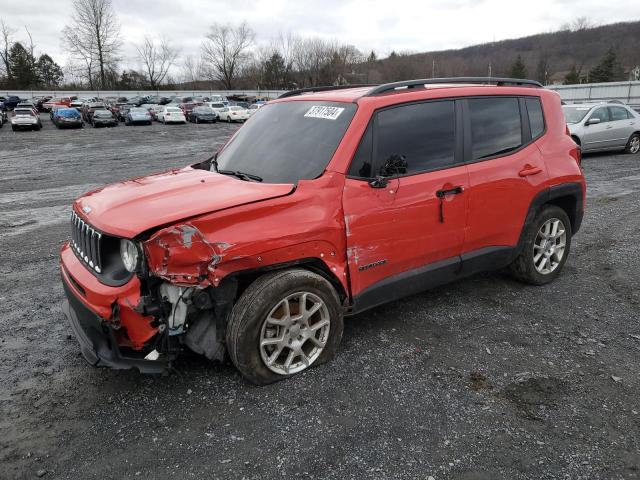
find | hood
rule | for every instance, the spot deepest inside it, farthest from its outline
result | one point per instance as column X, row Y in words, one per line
column 128, row 208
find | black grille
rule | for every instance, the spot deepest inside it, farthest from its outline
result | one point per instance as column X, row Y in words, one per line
column 85, row 242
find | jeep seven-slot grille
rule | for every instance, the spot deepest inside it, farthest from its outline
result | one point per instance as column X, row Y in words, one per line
column 85, row 241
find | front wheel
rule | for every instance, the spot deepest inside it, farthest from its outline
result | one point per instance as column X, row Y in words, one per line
column 546, row 247
column 633, row 145
column 284, row 323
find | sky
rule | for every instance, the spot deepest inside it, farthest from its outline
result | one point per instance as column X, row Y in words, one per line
column 383, row 26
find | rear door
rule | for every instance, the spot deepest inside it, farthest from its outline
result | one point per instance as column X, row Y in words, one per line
column 623, row 124
column 419, row 217
column 506, row 170
column 598, row 136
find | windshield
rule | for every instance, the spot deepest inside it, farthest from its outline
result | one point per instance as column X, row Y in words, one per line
column 287, row 142
column 138, row 110
column 574, row 114
column 236, row 109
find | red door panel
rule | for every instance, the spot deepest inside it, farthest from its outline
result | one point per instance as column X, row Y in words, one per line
column 401, row 227
column 500, row 192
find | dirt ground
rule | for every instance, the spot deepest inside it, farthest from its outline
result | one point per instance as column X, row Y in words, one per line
column 482, row 379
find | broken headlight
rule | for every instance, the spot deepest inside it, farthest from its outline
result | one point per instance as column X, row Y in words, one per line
column 130, row 255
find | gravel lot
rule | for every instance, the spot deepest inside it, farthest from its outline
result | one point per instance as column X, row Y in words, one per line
column 482, row 379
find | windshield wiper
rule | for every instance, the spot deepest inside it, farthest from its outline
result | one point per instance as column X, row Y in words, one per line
column 241, row 175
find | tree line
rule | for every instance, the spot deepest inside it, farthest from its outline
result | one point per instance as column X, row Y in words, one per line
column 230, row 58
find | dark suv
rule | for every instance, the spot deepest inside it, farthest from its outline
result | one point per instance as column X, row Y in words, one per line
column 326, row 203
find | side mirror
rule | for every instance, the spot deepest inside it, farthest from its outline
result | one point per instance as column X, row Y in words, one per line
column 379, row 182
column 593, row 121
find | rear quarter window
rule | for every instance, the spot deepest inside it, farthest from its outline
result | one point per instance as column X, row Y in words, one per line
column 536, row 117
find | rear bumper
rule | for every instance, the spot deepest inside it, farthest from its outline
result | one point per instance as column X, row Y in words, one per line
column 97, row 339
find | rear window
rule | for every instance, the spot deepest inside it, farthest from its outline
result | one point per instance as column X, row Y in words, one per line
column 495, row 126
column 289, row 141
column 174, row 110
column 536, row 117
column 24, row 112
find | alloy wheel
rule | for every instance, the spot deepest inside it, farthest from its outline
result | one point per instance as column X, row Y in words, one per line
column 295, row 333
column 634, row 145
column 549, row 246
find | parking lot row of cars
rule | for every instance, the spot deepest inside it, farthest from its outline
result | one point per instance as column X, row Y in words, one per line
column 75, row 113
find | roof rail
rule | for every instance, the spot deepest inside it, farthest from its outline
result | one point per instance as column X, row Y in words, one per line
column 430, row 81
column 300, row 91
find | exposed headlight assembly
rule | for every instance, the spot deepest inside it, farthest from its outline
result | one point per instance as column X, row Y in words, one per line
column 130, row 255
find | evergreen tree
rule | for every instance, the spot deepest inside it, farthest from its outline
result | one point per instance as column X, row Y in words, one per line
column 49, row 72
column 608, row 70
column 573, row 77
column 518, row 69
column 275, row 72
column 22, row 64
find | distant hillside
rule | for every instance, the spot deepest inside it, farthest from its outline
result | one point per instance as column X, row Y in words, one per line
column 554, row 52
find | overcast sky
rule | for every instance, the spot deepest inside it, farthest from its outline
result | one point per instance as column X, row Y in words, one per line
column 420, row 25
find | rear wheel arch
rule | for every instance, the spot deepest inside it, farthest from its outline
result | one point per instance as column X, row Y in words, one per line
column 567, row 196
column 576, row 139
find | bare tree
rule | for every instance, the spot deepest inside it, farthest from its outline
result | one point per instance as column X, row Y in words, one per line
column 6, row 37
column 156, row 59
column 192, row 70
column 225, row 51
column 94, row 35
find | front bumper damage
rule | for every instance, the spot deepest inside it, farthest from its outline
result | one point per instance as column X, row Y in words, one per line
column 98, row 342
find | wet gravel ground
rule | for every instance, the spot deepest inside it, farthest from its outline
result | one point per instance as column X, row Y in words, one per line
column 482, row 379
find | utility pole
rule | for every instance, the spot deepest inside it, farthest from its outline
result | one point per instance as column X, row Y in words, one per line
column 489, row 72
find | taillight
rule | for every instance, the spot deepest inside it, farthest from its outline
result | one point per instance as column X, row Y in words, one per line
column 576, row 153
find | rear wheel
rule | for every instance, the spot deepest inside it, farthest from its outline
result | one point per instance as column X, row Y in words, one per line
column 546, row 247
column 633, row 145
column 284, row 323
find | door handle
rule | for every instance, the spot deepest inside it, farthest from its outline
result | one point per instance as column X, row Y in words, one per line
column 450, row 191
column 529, row 170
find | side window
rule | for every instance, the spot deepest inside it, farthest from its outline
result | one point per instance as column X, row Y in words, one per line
column 602, row 114
column 361, row 163
column 536, row 118
column 495, row 126
column 618, row 113
column 424, row 133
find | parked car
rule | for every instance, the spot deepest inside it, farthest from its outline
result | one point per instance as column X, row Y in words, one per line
column 202, row 114
column 254, row 108
column 602, row 127
column 23, row 118
column 77, row 104
column 39, row 102
column 67, row 117
column 188, row 107
column 3, row 118
column 233, row 114
column 137, row 115
column 153, row 110
column 30, row 105
column 400, row 188
column 104, row 118
column 215, row 106
column 170, row 114
column 90, row 108
column 10, row 102
column 121, row 111
column 56, row 102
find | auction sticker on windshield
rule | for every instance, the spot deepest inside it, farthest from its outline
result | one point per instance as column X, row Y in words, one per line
column 328, row 113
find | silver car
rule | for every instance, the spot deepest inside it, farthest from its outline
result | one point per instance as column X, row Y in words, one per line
column 603, row 126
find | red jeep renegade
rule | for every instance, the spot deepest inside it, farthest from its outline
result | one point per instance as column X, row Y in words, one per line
column 326, row 203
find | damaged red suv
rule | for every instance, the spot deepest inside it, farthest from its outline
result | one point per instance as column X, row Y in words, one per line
column 326, row 203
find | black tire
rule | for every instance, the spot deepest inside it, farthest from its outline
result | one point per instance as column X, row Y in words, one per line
column 251, row 310
column 13, row 128
column 523, row 267
column 633, row 145
column 37, row 128
column 197, row 120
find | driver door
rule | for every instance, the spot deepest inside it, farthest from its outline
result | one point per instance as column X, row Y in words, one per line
column 407, row 230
